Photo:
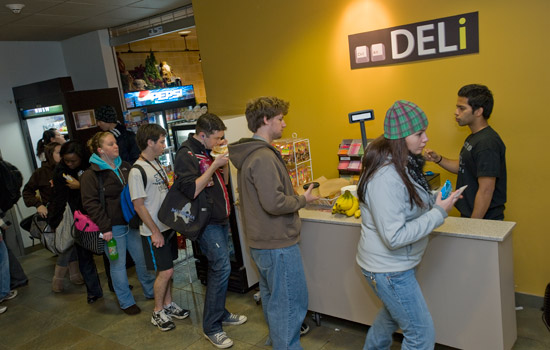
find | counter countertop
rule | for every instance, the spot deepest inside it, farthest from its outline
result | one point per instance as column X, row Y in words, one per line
column 488, row 230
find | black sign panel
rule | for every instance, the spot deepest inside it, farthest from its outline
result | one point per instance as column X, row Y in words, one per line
column 443, row 37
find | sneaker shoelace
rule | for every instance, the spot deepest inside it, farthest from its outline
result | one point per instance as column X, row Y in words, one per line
column 163, row 317
column 233, row 318
column 220, row 337
column 174, row 308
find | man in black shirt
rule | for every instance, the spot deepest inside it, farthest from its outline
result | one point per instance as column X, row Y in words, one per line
column 482, row 162
column 107, row 120
column 200, row 170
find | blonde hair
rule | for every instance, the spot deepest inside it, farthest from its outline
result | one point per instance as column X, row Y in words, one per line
column 97, row 141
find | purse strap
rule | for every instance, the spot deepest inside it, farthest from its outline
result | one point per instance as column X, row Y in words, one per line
column 101, row 190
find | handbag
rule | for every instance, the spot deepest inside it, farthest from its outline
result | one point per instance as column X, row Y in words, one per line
column 185, row 215
column 26, row 223
column 87, row 234
column 37, row 226
column 63, row 234
column 56, row 241
column 188, row 216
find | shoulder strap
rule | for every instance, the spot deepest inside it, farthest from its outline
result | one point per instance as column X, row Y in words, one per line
column 189, row 150
column 143, row 174
column 101, row 189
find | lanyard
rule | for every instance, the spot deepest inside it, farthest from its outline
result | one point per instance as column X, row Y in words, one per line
column 158, row 170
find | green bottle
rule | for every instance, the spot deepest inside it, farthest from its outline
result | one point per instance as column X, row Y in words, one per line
column 113, row 252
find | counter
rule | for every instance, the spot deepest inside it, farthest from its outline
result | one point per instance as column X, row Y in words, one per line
column 466, row 276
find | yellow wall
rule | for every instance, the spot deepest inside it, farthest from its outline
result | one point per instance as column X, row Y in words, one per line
column 298, row 51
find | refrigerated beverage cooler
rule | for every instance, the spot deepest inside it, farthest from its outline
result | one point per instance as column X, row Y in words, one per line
column 167, row 107
column 54, row 104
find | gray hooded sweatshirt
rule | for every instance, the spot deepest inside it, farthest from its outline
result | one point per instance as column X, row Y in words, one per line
column 394, row 235
column 267, row 200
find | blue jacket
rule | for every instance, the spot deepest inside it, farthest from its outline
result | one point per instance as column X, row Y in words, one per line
column 394, row 236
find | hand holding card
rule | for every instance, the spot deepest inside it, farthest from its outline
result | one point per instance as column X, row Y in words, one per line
column 459, row 191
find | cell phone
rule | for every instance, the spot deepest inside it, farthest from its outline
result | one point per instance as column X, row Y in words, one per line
column 460, row 190
column 446, row 189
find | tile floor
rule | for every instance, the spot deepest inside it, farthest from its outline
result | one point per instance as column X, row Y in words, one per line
column 40, row 319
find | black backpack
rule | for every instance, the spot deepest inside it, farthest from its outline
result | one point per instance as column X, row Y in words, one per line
column 11, row 181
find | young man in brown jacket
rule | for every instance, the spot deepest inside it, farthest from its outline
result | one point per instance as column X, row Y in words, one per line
column 271, row 221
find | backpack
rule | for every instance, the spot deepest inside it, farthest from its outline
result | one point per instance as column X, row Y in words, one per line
column 128, row 210
column 10, row 185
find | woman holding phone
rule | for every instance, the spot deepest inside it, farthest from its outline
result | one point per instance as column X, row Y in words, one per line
column 398, row 212
column 66, row 182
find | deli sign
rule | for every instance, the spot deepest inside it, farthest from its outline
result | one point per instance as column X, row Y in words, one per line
column 443, row 37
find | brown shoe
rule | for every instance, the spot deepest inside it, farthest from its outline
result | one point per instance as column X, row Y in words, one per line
column 132, row 310
column 58, row 277
column 74, row 273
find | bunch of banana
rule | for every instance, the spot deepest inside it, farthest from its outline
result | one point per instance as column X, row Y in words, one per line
column 347, row 204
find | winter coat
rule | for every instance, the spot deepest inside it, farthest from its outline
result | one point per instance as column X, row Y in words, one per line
column 394, row 236
column 111, row 215
column 267, row 199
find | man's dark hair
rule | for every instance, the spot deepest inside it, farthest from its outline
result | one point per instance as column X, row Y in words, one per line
column 210, row 123
column 261, row 107
column 148, row 132
column 478, row 96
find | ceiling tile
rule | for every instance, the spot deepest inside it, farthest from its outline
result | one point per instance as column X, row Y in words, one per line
column 156, row 4
column 76, row 9
column 47, row 20
column 50, row 20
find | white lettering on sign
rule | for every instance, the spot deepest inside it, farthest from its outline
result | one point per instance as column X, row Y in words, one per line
column 155, row 31
column 422, row 39
column 162, row 95
column 442, row 37
column 410, row 44
column 441, row 34
column 42, row 110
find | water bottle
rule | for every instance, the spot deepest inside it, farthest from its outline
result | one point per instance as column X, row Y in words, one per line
column 113, row 252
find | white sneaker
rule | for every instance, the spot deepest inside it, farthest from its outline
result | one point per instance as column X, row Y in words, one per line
column 220, row 340
column 162, row 321
column 3, row 309
column 173, row 310
column 12, row 294
column 234, row 320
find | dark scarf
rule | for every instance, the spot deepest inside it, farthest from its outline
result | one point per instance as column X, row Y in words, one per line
column 415, row 166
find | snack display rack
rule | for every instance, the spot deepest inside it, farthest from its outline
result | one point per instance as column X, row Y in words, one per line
column 349, row 159
column 297, row 156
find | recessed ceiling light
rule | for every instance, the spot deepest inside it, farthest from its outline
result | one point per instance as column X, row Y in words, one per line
column 15, row 8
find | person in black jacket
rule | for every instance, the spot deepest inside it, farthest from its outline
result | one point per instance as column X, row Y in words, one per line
column 66, row 182
column 41, row 181
column 105, row 163
column 106, row 118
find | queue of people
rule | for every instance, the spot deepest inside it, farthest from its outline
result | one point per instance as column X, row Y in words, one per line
column 398, row 212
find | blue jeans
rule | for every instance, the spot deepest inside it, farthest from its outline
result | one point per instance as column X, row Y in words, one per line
column 404, row 307
column 213, row 243
column 66, row 257
column 127, row 238
column 4, row 270
column 283, row 290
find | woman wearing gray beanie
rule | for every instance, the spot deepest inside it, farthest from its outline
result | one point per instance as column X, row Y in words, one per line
column 398, row 212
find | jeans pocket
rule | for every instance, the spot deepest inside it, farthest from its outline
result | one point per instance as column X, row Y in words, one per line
column 262, row 258
column 400, row 278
